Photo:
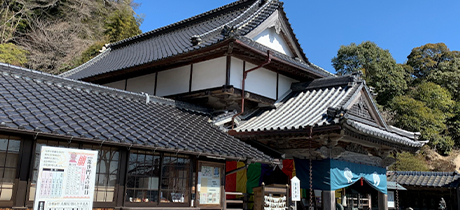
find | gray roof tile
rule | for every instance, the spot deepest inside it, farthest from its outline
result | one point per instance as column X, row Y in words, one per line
column 317, row 103
column 425, row 178
column 38, row 102
column 174, row 39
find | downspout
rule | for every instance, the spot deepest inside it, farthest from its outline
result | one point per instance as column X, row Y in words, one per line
column 245, row 74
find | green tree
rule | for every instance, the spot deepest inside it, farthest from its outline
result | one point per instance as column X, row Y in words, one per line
column 427, row 58
column 378, row 66
column 453, row 123
column 434, row 96
column 12, row 54
column 410, row 162
column 448, row 76
column 121, row 25
column 426, row 109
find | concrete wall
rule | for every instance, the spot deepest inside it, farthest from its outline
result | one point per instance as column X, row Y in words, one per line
column 145, row 83
column 261, row 81
column 206, row 75
column 173, row 81
column 209, row 74
column 284, row 84
column 271, row 39
column 236, row 72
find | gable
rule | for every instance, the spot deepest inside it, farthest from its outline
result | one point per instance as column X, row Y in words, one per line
column 275, row 33
column 270, row 38
column 363, row 109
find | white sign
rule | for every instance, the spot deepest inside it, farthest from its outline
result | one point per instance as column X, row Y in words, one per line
column 391, row 199
column 65, row 179
column 295, row 189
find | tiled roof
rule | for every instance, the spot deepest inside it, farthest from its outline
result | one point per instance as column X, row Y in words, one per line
column 307, row 107
column 425, row 178
column 394, row 186
column 34, row 102
column 174, row 39
column 324, row 102
column 389, row 135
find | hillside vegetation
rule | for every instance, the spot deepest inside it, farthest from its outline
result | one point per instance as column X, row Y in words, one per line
column 420, row 95
column 56, row 35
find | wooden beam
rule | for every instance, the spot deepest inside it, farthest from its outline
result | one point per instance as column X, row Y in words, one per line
column 236, row 170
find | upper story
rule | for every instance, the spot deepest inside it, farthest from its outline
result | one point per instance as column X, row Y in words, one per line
column 202, row 59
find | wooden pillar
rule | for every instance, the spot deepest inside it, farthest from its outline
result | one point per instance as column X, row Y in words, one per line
column 328, row 199
column 383, row 201
column 121, row 181
column 23, row 173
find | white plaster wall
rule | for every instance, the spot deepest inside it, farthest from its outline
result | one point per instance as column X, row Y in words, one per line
column 173, row 81
column 261, row 81
column 236, row 72
column 209, row 74
column 284, row 84
column 118, row 84
column 271, row 39
column 145, row 83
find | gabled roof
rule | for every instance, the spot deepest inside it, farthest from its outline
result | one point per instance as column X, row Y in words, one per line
column 47, row 105
column 211, row 28
column 343, row 101
column 425, row 178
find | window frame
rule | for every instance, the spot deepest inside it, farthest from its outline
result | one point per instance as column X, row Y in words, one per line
column 187, row 202
column 11, row 202
column 141, row 204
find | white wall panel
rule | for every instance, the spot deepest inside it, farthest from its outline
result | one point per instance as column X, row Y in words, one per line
column 261, row 81
column 118, row 84
column 271, row 39
column 284, row 84
column 236, row 72
column 209, row 74
column 173, row 81
column 145, row 83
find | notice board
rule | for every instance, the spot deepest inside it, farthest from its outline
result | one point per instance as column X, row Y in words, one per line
column 66, row 179
column 210, row 184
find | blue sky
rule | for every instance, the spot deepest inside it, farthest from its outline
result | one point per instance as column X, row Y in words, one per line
column 322, row 26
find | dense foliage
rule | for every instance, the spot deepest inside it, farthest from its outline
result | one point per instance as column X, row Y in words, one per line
column 422, row 94
column 53, row 34
column 378, row 66
column 409, row 162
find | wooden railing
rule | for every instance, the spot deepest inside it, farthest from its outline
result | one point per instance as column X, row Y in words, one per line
column 242, row 201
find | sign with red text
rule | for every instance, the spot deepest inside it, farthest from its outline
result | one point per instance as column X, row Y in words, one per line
column 66, row 179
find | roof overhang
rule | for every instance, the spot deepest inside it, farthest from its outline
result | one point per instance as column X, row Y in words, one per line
column 38, row 134
column 227, row 47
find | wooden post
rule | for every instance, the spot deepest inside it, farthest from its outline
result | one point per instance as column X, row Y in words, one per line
column 121, row 181
column 383, row 201
column 25, row 161
column 328, row 199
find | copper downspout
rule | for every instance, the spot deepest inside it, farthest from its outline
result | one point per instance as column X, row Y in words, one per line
column 245, row 74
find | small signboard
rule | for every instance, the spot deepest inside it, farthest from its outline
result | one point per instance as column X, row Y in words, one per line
column 66, row 179
column 295, row 189
column 391, row 199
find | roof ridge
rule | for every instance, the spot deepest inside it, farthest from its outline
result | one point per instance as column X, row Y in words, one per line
column 86, row 64
column 181, row 22
column 71, row 83
column 237, row 18
column 349, row 80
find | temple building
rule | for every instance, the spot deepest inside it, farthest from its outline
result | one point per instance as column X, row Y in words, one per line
column 229, row 90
